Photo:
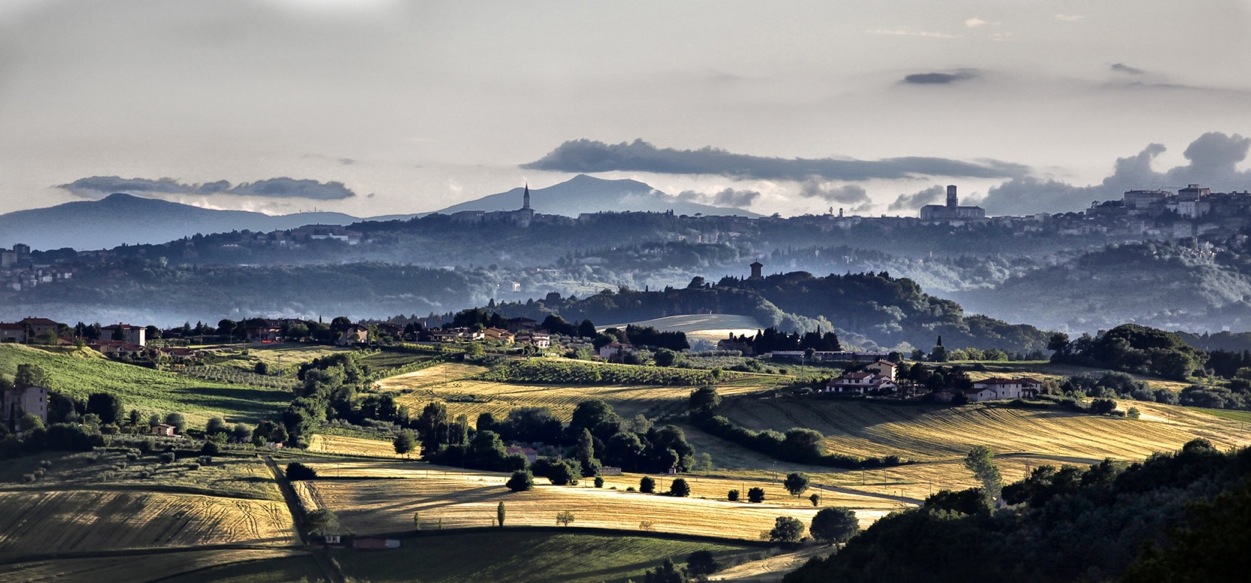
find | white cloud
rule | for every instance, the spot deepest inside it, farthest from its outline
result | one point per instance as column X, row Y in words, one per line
column 908, row 32
column 1069, row 17
column 975, row 22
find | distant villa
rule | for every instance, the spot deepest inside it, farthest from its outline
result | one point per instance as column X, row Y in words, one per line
column 952, row 211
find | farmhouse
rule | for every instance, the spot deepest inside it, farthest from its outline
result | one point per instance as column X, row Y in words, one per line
column 883, row 368
column 498, row 335
column 861, row 383
column 613, row 352
column 12, row 332
column 993, row 389
column 538, row 339
column 15, row 403
column 531, row 454
column 164, row 430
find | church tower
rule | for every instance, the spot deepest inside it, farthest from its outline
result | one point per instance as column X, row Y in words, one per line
column 525, row 199
column 952, row 201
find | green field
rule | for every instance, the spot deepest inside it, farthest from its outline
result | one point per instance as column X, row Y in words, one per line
column 528, row 556
column 78, row 373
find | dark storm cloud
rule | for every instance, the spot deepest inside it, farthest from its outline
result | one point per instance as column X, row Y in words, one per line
column 640, row 156
column 942, row 78
column 1128, row 70
column 917, row 200
column 1213, row 162
column 728, row 197
column 282, row 187
column 848, row 194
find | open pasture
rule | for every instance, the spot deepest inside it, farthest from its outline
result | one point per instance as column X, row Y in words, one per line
column 81, row 372
column 83, row 520
column 189, row 565
column 929, row 433
column 439, row 374
column 387, row 500
column 242, row 477
column 1047, row 370
column 532, row 557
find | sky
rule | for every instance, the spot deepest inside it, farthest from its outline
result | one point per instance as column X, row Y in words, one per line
column 375, row 107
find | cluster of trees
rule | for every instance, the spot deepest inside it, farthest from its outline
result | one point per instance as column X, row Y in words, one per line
column 596, row 436
column 1068, row 524
column 1130, row 348
column 643, row 336
column 585, row 373
column 771, row 340
column 798, row 444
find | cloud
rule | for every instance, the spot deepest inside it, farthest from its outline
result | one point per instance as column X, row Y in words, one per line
column 849, row 194
column 907, row 32
column 587, row 156
column 917, row 200
column 347, row 161
column 975, row 22
column 942, row 78
column 1069, row 17
column 1128, row 70
column 727, row 197
column 1213, row 160
column 282, row 187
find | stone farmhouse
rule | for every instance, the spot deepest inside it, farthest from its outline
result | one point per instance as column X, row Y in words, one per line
column 995, row 389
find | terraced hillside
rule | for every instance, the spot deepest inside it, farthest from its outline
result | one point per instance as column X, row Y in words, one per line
column 80, row 372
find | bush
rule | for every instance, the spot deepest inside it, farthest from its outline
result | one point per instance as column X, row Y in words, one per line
column 786, row 530
column 834, row 525
column 210, row 448
column 298, row 471
column 680, row 488
column 599, row 482
column 755, row 495
column 647, row 485
column 520, row 481
column 167, row 457
column 733, row 496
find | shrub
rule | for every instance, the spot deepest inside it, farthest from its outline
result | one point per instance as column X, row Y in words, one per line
column 167, row 457
column 299, row 471
column 647, row 485
column 733, row 496
column 680, row 488
column 755, row 495
column 520, row 481
column 599, row 482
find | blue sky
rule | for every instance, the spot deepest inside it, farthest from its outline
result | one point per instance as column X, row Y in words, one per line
column 413, row 106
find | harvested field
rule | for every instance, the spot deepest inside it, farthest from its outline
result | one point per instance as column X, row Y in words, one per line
column 81, row 520
column 458, row 499
column 155, row 567
column 359, row 446
column 927, row 433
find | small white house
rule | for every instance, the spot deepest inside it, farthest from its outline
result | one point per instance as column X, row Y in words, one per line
column 995, row 389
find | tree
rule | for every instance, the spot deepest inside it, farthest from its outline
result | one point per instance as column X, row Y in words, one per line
column 29, row 422
column 834, row 525
column 703, row 401
column 667, row 572
column 647, row 485
column 135, row 417
column 405, row 442
column 177, row 420
column 815, row 499
column 499, row 513
column 564, row 518
column 241, row 433
column 565, row 472
column 216, row 425
column 732, row 496
column 701, row 563
column 322, row 522
column 30, row 375
column 786, row 530
column 981, row 461
column 1102, row 406
column 680, row 488
column 586, row 329
column 520, row 481
column 298, row 471
column 666, row 357
column 108, row 406
column 796, row 483
column 755, row 495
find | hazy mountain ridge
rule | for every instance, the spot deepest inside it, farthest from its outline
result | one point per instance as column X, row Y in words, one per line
column 587, row 194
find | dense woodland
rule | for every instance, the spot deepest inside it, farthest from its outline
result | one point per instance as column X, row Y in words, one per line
column 1173, row 517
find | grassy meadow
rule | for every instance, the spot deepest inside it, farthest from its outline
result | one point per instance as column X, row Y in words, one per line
column 80, row 372
column 250, row 565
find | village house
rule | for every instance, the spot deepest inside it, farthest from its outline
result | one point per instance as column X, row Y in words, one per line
column 498, row 335
column 136, row 335
column 12, row 332
column 16, row 402
column 266, row 332
column 164, row 430
column 613, row 352
column 516, row 325
column 537, row 339
column 994, row 389
column 883, row 368
column 532, row 455
column 353, row 335
column 861, row 383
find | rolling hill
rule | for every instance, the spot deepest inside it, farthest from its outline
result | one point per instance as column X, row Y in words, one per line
column 587, row 194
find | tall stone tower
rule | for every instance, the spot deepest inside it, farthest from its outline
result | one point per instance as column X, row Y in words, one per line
column 525, row 199
column 952, row 201
column 756, row 266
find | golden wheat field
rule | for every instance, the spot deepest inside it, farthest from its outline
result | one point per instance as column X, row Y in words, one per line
column 386, row 498
column 38, row 522
column 932, row 434
column 343, row 445
column 155, row 567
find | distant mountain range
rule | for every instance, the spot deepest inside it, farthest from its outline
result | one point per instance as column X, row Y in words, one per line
column 587, row 194
column 125, row 219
